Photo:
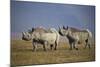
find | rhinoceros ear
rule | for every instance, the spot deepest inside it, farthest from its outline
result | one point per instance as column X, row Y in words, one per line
column 67, row 27
column 33, row 29
column 64, row 27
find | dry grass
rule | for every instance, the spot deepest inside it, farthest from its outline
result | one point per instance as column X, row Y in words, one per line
column 22, row 54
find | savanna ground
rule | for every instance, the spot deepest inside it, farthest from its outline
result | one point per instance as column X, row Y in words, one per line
column 22, row 54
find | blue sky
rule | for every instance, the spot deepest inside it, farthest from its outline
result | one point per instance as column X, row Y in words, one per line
column 25, row 15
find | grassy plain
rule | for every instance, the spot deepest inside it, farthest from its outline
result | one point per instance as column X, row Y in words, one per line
column 22, row 54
